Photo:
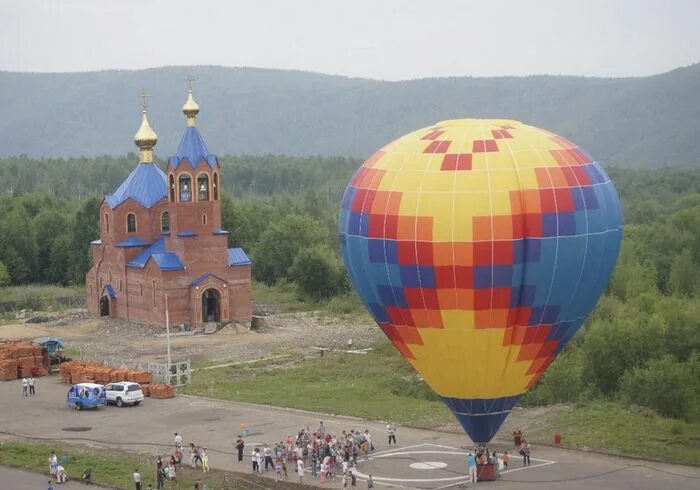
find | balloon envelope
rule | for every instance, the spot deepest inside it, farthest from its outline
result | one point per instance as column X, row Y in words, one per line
column 480, row 247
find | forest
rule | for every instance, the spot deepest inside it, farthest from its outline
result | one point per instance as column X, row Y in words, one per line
column 640, row 346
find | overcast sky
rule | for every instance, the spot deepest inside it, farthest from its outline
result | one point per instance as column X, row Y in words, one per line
column 383, row 39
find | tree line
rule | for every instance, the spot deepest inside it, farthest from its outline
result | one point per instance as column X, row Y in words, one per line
column 641, row 344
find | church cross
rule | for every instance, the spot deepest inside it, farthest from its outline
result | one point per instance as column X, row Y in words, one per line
column 143, row 99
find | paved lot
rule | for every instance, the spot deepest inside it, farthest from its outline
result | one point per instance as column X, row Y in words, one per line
column 23, row 480
column 423, row 459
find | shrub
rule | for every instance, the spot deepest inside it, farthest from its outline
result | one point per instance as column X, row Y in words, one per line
column 562, row 382
column 412, row 386
column 665, row 385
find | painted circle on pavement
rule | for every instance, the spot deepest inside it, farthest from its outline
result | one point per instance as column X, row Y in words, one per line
column 428, row 465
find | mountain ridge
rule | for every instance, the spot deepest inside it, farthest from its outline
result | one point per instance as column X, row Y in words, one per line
column 642, row 122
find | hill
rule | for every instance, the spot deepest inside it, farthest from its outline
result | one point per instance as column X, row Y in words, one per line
column 643, row 122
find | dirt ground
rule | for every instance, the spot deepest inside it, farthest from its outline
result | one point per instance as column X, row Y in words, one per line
column 124, row 343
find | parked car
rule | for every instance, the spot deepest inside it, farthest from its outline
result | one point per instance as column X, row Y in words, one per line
column 86, row 395
column 124, row 393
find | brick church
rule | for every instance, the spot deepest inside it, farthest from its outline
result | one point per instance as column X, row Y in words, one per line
column 161, row 241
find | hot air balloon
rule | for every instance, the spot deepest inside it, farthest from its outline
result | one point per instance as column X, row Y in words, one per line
column 480, row 247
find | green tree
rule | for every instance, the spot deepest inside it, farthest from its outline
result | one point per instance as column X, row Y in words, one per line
column 665, row 385
column 683, row 277
column 49, row 224
column 280, row 244
column 60, row 256
column 86, row 229
column 18, row 247
column 317, row 272
column 4, row 276
column 610, row 349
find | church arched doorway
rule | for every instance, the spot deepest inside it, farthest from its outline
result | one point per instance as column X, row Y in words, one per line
column 211, row 305
column 104, row 305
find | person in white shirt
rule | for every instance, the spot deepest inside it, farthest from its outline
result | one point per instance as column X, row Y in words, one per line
column 178, row 441
column 61, row 476
column 368, row 437
column 268, row 457
column 300, row 470
column 25, row 387
column 53, row 463
column 31, row 385
column 137, row 479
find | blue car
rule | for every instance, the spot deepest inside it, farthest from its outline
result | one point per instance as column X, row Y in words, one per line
column 86, row 395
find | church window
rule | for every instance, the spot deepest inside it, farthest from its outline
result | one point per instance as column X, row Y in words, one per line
column 107, row 222
column 141, row 289
column 109, row 274
column 204, row 219
column 100, row 282
column 154, row 292
column 202, row 187
column 172, row 188
column 131, row 223
column 216, row 186
column 121, row 285
column 185, row 188
column 165, row 221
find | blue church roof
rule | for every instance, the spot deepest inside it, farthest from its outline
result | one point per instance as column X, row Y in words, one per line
column 236, row 256
column 192, row 149
column 146, row 185
column 110, row 291
column 166, row 261
column 201, row 278
column 132, row 242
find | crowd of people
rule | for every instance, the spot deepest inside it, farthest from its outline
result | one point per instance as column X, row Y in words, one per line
column 481, row 455
column 325, row 454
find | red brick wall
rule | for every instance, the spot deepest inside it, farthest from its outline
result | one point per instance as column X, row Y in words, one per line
column 137, row 299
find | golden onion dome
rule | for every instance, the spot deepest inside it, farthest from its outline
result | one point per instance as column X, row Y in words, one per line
column 190, row 109
column 145, row 138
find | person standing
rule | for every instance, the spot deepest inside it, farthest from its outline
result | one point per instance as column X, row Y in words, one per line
column 268, row 457
column 321, row 429
column 254, row 460
column 368, row 437
column 526, row 453
column 239, row 447
column 300, row 470
column 391, row 432
column 471, row 465
column 370, row 481
column 53, row 463
column 353, row 479
column 204, row 456
column 178, row 442
column 25, row 386
column 31, row 385
column 137, row 479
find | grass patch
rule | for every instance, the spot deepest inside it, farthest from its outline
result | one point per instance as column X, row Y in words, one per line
column 284, row 296
column 610, row 427
column 38, row 296
column 114, row 469
column 379, row 385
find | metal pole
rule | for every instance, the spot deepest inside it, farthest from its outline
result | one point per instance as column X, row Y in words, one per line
column 167, row 335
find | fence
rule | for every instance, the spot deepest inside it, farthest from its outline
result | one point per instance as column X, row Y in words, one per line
column 180, row 373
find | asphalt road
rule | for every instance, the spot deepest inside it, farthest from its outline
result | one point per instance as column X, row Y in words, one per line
column 422, row 459
column 23, row 480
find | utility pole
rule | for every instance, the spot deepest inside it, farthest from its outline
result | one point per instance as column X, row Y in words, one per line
column 167, row 336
